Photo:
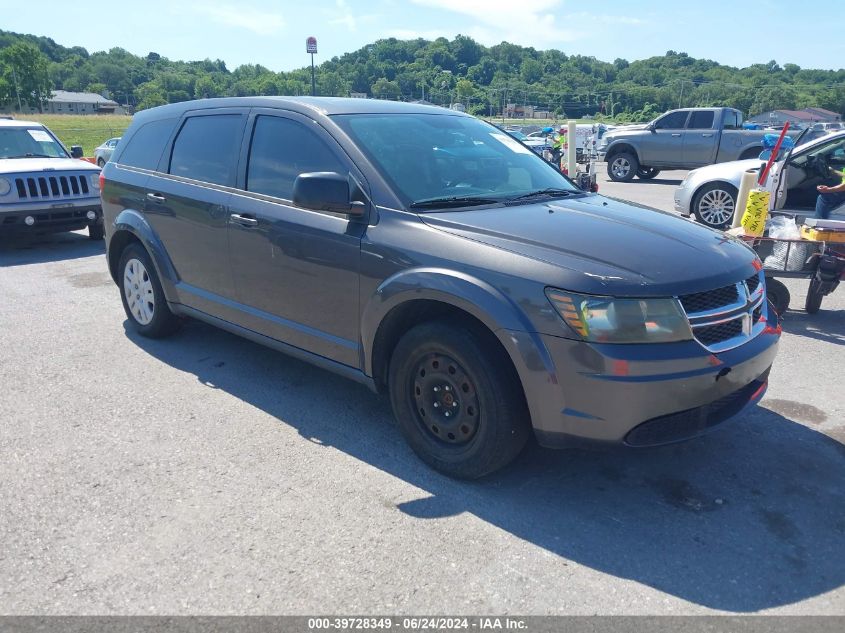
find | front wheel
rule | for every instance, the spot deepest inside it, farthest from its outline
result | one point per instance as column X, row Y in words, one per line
column 100, row 162
column 622, row 167
column 647, row 173
column 457, row 399
column 96, row 231
column 814, row 297
column 142, row 295
column 714, row 205
column 778, row 294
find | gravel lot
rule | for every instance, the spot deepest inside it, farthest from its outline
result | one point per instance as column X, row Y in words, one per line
column 205, row 474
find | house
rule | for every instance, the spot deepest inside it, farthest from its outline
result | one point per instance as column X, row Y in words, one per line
column 64, row 102
column 805, row 117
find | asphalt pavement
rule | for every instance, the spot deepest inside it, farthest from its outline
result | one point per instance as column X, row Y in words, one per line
column 204, row 474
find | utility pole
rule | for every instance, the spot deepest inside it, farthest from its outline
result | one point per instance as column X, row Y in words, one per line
column 17, row 92
column 311, row 47
column 682, row 93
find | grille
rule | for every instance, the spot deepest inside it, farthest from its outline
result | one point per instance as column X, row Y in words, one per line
column 686, row 424
column 758, row 312
column 752, row 283
column 709, row 300
column 712, row 334
column 51, row 187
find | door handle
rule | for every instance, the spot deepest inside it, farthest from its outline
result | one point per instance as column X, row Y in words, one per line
column 708, row 135
column 243, row 220
column 676, row 134
column 156, row 197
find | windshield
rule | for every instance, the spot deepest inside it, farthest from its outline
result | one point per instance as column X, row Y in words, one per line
column 434, row 157
column 20, row 142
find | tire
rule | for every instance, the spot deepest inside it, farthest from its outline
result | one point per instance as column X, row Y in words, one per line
column 814, row 297
column 622, row 167
column 647, row 173
column 438, row 368
column 147, row 312
column 96, row 231
column 778, row 294
column 100, row 162
column 754, row 152
column 714, row 204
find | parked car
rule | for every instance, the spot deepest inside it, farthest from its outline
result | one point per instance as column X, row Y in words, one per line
column 680, row 139
column 427, row 254
column 710, row 193
column 43, row 187
column 103, row 153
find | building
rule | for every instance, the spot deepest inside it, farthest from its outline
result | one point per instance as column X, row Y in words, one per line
column 64, row 102
column 805, row 117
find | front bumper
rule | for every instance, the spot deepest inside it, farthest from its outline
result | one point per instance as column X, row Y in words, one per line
column 683, row 199
column 55, row 219
column 639, row 395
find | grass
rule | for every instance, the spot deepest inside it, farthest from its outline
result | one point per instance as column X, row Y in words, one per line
column 87, row 131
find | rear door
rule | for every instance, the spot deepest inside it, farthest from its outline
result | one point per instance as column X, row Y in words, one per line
column 187, row 203
column 700, row 138
column 296, row 270
column 664, row 145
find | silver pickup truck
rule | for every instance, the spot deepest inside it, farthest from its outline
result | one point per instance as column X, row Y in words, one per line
column 680, row 139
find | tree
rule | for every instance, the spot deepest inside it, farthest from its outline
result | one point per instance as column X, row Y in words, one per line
column 26, row 70
column 149, row 95
column 384, row 89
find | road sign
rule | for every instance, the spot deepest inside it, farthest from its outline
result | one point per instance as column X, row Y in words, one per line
column 311, row 45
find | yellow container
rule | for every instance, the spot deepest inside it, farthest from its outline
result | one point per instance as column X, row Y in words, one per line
column 756, row 211
column 820, row 235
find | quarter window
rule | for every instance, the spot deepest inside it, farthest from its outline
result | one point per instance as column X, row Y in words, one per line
column 147, row 144
column 206, row 149
column 281, row 150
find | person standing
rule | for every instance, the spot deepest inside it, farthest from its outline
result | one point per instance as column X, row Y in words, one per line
column 830, row 197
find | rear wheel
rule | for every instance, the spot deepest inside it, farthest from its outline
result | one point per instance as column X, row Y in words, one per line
column 100, row 162
column 714, row 205
column 622, row 167
column 814, row 297
column 457, row 400
column 142, row 295
column 647, row 173
column 778, row 294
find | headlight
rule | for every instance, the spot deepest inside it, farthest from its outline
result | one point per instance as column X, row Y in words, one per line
column 5, row 186
column 95, row 181
column 609, row 320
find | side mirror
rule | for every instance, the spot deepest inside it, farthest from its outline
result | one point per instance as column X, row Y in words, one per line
column 76, row 151
column 325, row 191
column 650, row 127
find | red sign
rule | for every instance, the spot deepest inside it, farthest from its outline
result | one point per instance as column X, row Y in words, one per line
column 311, row 45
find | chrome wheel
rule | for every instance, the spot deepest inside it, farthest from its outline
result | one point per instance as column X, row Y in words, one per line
column 138, row 290
column 716, row 207
column 620, row 167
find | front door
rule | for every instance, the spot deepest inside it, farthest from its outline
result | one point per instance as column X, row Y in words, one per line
column 664, row 144
column 295, row 270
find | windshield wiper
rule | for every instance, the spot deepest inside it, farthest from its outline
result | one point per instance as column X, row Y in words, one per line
column 452, row 201
column 550, row 192
column 32, row 156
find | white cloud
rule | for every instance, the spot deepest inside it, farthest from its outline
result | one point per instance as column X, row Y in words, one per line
column 259, row 22
column 343, row 15
column 410, row 34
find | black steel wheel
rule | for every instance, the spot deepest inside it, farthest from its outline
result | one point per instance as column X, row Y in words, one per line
column 647, row 173
column 96, row 231
column 457, row 399
column 814, row 297
column 778, row 294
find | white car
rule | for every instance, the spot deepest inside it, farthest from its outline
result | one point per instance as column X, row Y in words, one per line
column 103, row 152
column 709, row 193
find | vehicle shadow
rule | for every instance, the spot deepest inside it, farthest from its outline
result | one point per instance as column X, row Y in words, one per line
column 749, row 517
column 825, row 325
column 656, row 181
column 38, row 249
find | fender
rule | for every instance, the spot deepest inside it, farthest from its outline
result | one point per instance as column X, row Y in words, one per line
column 486, row 303
column 134, row 222
column 620, row 145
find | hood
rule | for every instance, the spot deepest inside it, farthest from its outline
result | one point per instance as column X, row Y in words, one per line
column 607, row 247
column 30, row 165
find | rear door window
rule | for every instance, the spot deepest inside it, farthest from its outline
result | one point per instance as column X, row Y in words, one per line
column 146, row 146
column 281, row 150
column 207, row 148
column 701, row 120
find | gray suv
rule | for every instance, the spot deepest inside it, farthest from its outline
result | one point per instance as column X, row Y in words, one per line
column 429, row 255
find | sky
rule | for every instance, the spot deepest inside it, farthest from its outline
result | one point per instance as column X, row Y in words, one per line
column 273, row 32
